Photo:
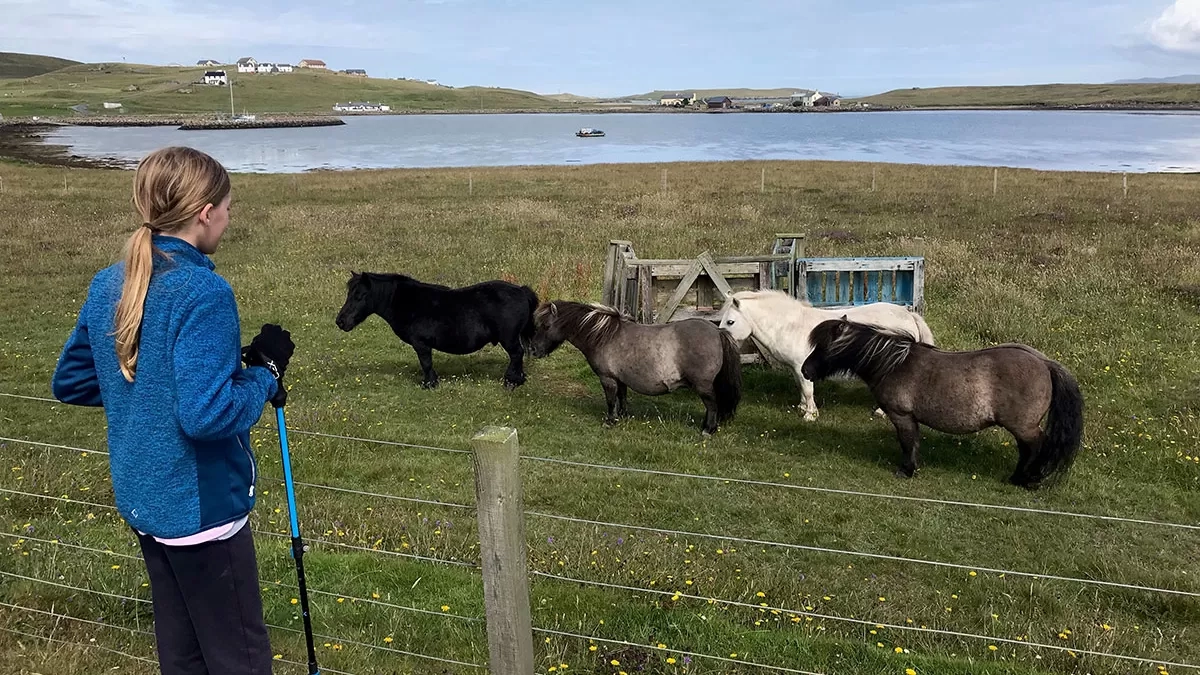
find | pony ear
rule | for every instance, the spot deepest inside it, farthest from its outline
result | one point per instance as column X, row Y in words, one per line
column 846, row 318
column 736, row 303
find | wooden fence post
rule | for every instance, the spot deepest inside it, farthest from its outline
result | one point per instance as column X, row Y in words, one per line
column 502, row 549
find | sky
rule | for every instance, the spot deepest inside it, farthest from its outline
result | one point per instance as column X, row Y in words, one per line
column 623, row 47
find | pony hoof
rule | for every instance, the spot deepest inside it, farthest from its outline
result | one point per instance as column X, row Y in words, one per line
column 513, row 384
column 610, row 422
column 904, row 473
column 431, row 384
column 810, row 417
column 879, row 413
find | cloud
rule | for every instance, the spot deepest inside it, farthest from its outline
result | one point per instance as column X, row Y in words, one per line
column 154, row 25
column 1177, row 29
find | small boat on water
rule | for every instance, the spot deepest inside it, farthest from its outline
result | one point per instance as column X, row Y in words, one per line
column 588, row 132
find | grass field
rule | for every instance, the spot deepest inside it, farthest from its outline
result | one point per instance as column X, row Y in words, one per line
column 166, row 90
column 27, row 65
column 1041, row 95
column 1109, row 285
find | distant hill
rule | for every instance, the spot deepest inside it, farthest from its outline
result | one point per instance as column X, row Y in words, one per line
column 13, row 65
column 1050, row 95
column 570, row 98
column 731, row 93
column 1177, row 79
column 143, row 89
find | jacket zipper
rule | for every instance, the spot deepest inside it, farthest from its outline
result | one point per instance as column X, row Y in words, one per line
column 253, row 469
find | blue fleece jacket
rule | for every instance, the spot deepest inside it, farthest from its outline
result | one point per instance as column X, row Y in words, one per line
column 179, row 434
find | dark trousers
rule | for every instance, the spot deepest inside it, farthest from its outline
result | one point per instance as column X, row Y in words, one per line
column 208, row 616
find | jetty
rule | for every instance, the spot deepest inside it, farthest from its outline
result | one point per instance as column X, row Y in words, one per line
column 269, row 122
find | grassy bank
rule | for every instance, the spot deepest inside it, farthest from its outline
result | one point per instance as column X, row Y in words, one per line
column 13, row 65
column 166, row 90
column 1110, row 285
column 1043, row 95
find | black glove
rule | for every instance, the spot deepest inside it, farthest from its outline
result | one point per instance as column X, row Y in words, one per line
column 272, row 349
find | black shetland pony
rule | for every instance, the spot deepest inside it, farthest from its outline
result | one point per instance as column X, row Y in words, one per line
column 451, row 320
column 650, row 360
column 1011, row 385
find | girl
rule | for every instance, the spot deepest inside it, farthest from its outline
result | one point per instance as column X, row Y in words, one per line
column 157, row 345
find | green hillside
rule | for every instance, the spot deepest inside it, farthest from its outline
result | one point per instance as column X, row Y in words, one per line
column 13, row 65
column 1041, row 95
column 145, row 89
column 732, row 93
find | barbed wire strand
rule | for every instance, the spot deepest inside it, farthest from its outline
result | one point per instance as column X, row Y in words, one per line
column 76, row 618
column 376, row 441
column 863, row 622
column 136, row 631
column 855, row 493
column 59, row 542
column 60, row 499
column 674, row 651
column 383, row 649
column 282, row 628
column 348, row 596
column 80, row 644
column 265, row 477
column 31, row 398
column 743, row 481
column 414, row 556
column 860, row 554
column 268, row 533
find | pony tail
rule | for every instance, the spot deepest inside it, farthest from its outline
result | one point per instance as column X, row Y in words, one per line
column 139, row 264
column 1064, row 426
column 728, row 384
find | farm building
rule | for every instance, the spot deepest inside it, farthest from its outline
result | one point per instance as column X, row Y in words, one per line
column 677, row 99
column 718, row 102
column 316, row 64
column 356, row 72
column 208, row 63
column 815, row 99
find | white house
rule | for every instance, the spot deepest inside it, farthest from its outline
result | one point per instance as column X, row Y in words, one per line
column 283, row 67
column 247, row 64
column 208, row 63
column 317, row 64
column 265, row 68
column 216, row 78
column 111, row 106
column 361, row 106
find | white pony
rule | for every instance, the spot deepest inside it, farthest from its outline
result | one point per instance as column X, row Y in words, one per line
column 780, row 325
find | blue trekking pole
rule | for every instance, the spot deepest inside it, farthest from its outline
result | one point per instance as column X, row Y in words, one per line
column 297, row 541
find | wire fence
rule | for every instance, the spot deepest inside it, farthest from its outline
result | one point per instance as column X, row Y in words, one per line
column 675, row 595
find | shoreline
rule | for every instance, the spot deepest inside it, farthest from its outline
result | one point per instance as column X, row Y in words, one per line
column 299, row 118
column 26, row 141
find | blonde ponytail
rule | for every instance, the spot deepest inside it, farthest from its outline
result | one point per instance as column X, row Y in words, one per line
column 171, row 187
column 139, row 263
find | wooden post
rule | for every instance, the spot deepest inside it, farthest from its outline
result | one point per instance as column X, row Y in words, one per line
column 664, row 180
column 1125, row 185
column 502, row 550
column 872, row 179
column 762, row 182
column 608, row 292
column 995, row 181
column 470, row 184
